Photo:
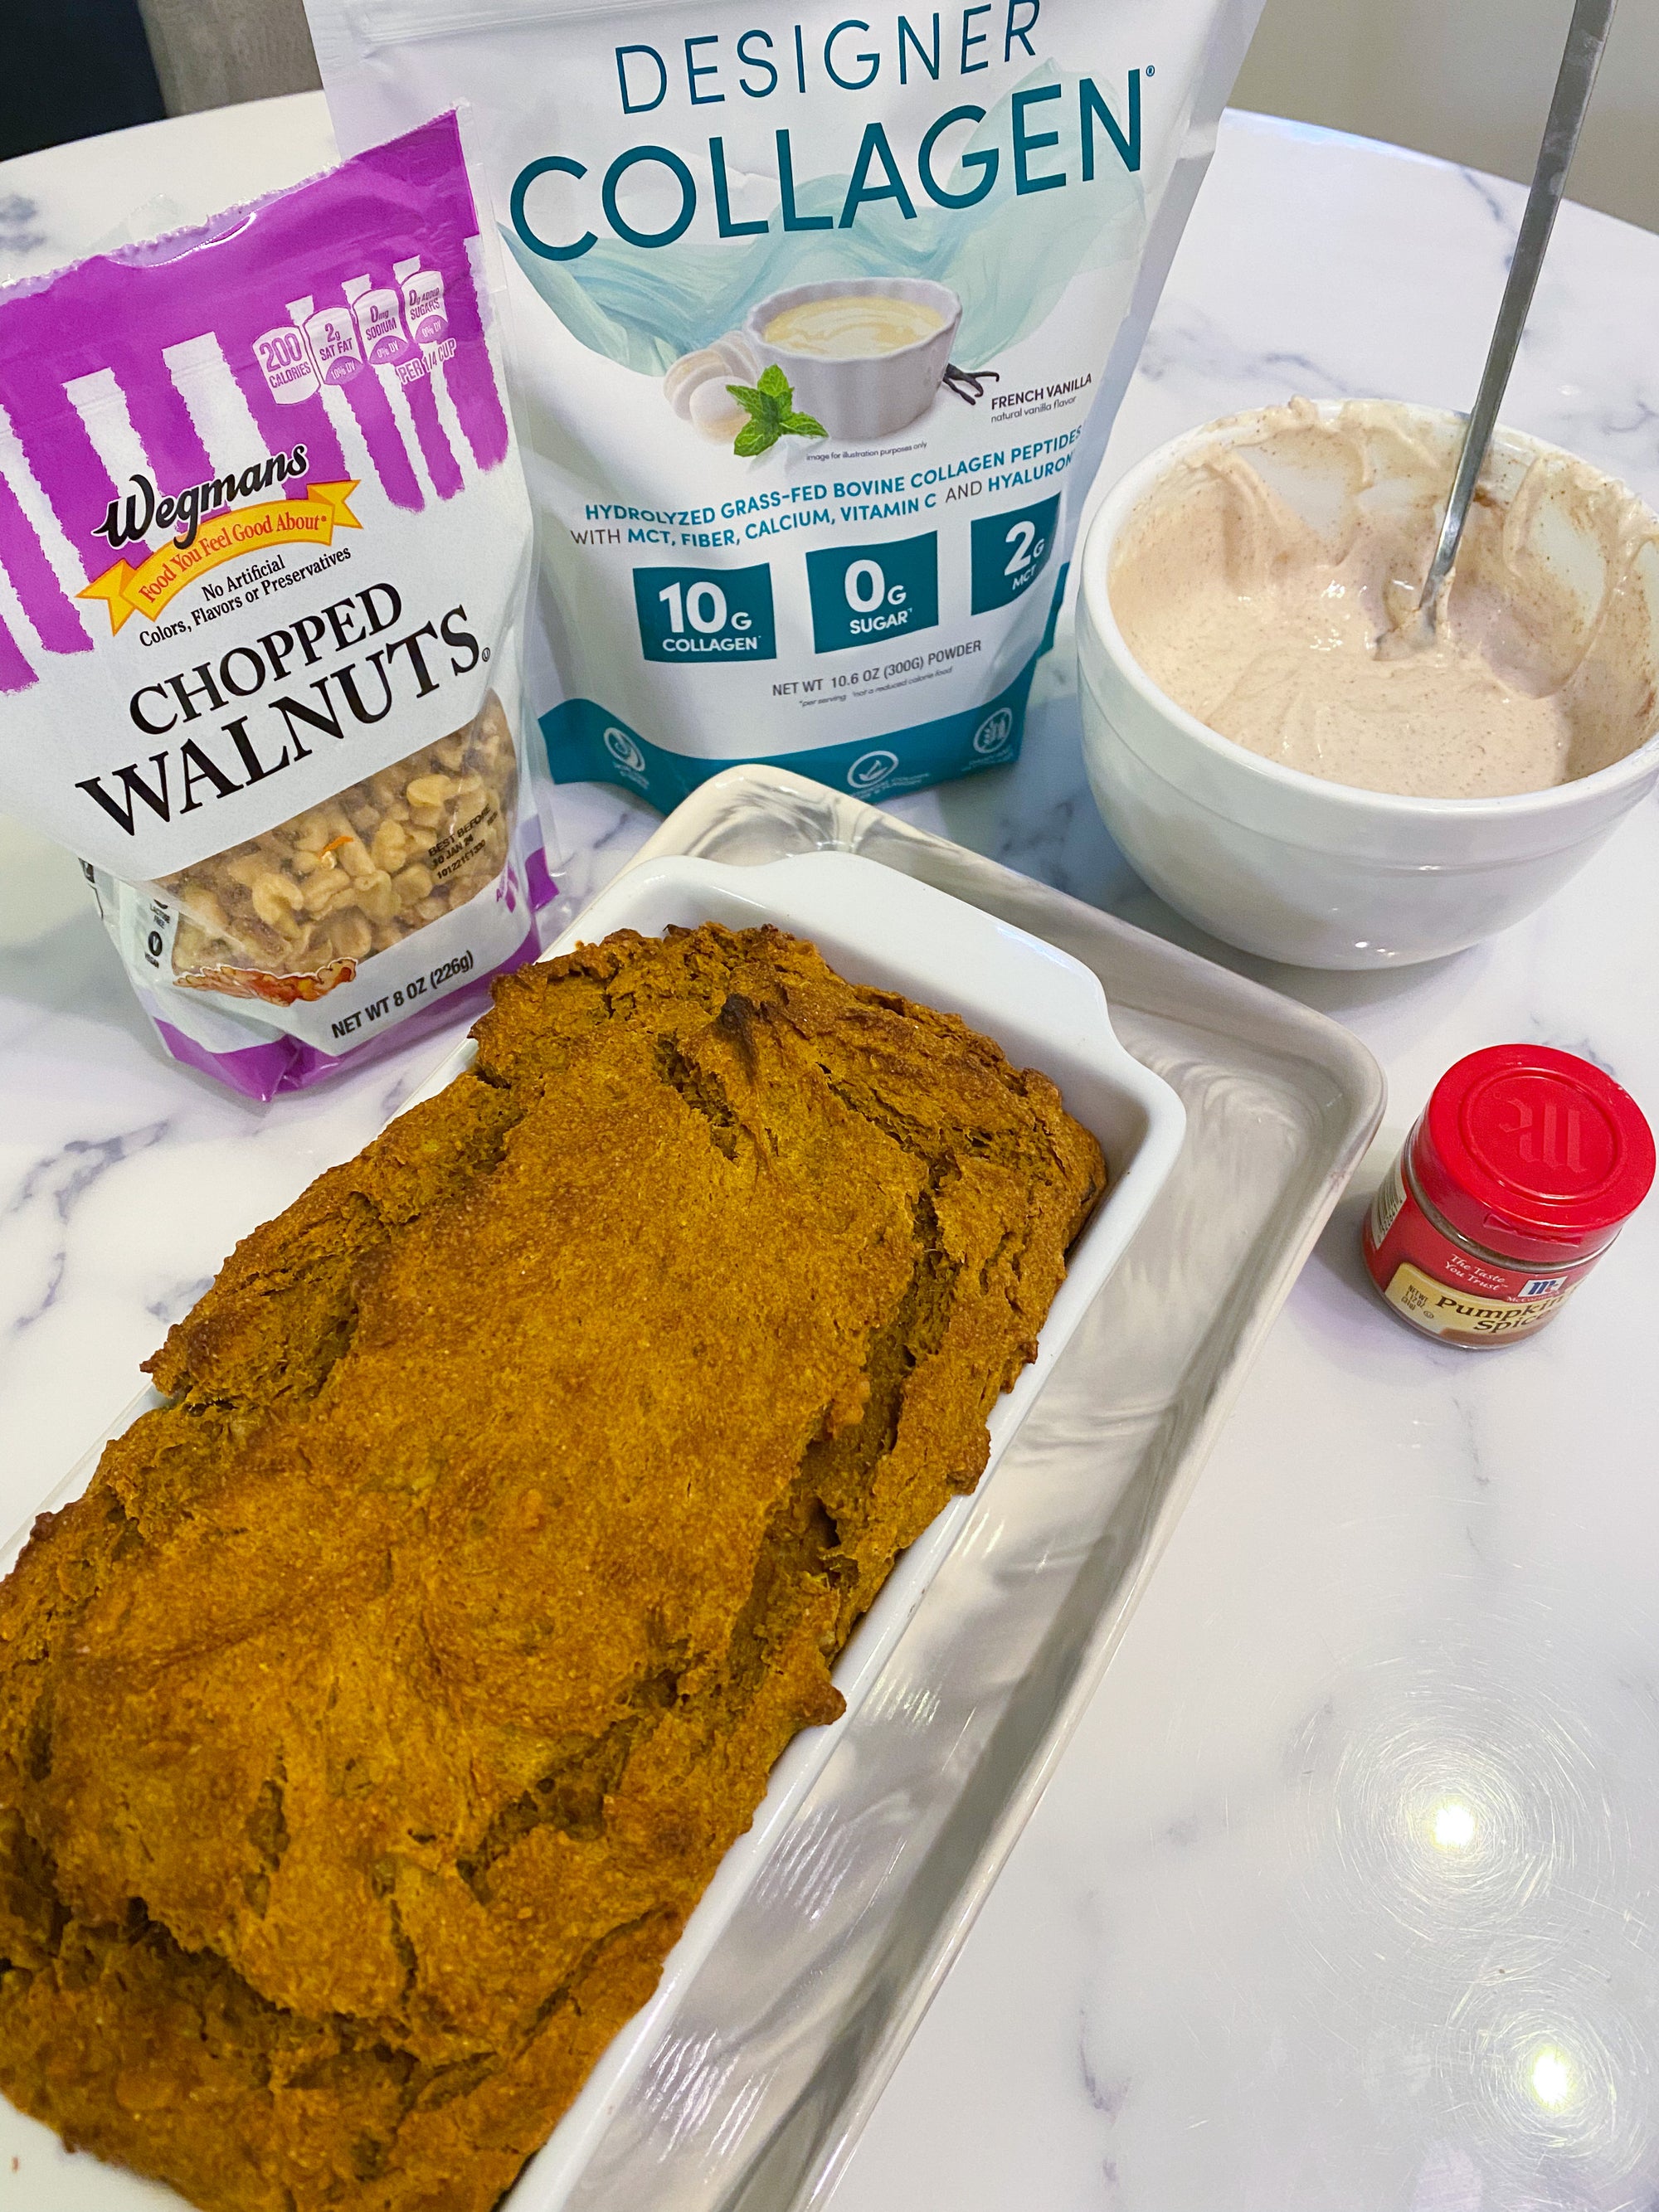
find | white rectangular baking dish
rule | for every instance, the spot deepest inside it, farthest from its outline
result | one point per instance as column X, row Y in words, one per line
column 1047, row 1011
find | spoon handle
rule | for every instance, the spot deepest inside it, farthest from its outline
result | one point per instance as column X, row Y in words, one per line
column 1587, row 38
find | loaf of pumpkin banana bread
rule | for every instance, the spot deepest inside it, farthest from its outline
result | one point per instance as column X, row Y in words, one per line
column 371, row 1725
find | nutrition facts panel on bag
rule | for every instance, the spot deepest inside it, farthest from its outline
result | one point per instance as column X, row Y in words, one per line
column 861, row 594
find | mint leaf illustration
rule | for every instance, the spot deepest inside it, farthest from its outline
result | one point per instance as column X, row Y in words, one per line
column 770, row 407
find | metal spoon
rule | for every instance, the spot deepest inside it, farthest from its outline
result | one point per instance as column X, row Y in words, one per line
column 1587, row 38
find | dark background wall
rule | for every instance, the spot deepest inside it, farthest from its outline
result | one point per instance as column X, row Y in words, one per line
column 1468, row 79
column 71, row 68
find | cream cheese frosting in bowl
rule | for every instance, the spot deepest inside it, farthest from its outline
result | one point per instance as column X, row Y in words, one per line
column 1295, row 763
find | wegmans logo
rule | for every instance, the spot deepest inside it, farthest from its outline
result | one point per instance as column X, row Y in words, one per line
column 135, row 513
column 200, row 545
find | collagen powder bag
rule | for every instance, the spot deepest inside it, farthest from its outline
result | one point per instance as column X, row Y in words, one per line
column 264, row 544
column 820, row 322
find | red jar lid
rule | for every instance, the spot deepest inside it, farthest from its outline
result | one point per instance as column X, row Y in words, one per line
column 1532, row 1153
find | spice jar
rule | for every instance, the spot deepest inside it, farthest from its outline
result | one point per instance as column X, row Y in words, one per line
column 1524, row 1166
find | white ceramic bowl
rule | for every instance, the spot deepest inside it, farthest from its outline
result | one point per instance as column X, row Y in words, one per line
column 867, row 395
column 1288, row 865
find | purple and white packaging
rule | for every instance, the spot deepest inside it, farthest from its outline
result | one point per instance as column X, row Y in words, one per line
column 264, row 545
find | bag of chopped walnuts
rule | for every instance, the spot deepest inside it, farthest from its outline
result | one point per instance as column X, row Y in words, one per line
column 263, row 567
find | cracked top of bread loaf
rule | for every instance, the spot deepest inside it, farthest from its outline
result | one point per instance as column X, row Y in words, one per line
column 371, row 1725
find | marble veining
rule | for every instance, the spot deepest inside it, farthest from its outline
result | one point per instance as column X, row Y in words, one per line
column 45, row 1200
column 19, row 232
column 1346, row 1893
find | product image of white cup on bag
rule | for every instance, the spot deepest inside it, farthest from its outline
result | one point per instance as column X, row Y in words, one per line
column 866, row 356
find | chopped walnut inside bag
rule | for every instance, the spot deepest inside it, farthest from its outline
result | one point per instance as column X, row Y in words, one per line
column 311, row 900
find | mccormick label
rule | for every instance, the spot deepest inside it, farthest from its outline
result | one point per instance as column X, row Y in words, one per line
column 1511, row 1187
column 1440, row 1286
column 1459, row 1315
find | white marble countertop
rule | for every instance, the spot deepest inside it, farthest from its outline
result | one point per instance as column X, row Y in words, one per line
column 1228, row 1968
